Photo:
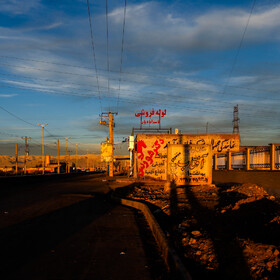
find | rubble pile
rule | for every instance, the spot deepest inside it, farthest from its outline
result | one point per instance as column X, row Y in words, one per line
column 225, row 231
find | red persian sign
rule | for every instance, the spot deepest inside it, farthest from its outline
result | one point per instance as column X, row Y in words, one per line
column 149, row 114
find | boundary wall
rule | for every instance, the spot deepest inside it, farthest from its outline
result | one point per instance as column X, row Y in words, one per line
column 150, row 154
column 252, row 158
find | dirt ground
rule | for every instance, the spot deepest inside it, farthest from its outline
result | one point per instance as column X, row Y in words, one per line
column 221, row 232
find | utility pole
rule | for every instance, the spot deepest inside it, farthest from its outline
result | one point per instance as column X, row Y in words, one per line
column 25, row 152
column 43, row 152
column 87, row 159
column 110, row 116
column 16, row 159
column 111, row 141
column 58, row 159
column 66, row 156
column 76, row 157
column 69, row 160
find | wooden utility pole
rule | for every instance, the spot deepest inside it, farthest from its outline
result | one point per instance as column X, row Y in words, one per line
column 43, row 146
column 111, row 141
column 16, row 159
column 87, row 159
column 58, row 159
column 69, row 160
column 111, row 123
column 25, row 152
column 76, row 157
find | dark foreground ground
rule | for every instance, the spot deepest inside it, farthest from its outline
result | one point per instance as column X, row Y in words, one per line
column 227, row 231
column 70, row 229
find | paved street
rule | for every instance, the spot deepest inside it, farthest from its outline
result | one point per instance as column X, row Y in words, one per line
column 69, row 229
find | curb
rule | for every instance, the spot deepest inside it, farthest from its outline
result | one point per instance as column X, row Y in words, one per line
column 169, row 255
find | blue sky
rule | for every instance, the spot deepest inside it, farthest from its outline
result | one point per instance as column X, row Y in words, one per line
column 187, row 57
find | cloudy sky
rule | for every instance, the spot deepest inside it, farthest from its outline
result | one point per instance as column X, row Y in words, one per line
column 196, row 59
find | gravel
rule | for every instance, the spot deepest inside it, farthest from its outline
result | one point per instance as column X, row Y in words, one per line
column 223, row 232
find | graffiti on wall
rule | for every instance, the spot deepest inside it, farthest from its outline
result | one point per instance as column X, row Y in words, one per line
column 148, row 158
column 146, row 144
column 190, row 164
column 218, row 145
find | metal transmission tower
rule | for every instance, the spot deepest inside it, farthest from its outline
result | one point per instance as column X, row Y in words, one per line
column 235, row 120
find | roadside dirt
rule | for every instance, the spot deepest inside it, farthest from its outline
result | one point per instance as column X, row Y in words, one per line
column 221, row 232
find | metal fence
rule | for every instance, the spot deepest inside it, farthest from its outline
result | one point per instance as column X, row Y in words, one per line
column 259, row 159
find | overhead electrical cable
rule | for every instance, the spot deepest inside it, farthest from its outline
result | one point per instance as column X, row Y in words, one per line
column 169, row 86
column 168, row 78
column 112, row 71
column 122, row 48
column 93, row 53
column 141, row 82
column 177, row 100
column 107, row 40
column 139, row 101
column 17, row 117
column 239, row 47
column 136, row 101
column 128, row 90
column 146, row 93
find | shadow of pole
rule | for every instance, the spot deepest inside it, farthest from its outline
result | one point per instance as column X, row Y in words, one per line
column 231, row 261
column 27, row 240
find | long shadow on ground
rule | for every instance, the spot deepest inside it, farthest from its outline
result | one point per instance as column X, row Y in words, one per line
column 27, row 240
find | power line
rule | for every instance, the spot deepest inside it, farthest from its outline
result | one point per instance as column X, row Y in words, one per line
column 124, row 14
column 179, row 96
column 162, row 85
column 93, row 52
column 107, row 40
column 150, row 93
column 135, row 102
column 145, row 83
column 117, row 72
column 140, row 102
column 17, row 117
column 239, row 47
column 87, row 95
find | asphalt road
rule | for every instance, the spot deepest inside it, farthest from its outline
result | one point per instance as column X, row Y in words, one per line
column 70, row 229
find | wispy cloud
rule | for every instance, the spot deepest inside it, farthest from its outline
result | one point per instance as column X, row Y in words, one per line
column 215, row 29
column 18, row 7
column 7, row 95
